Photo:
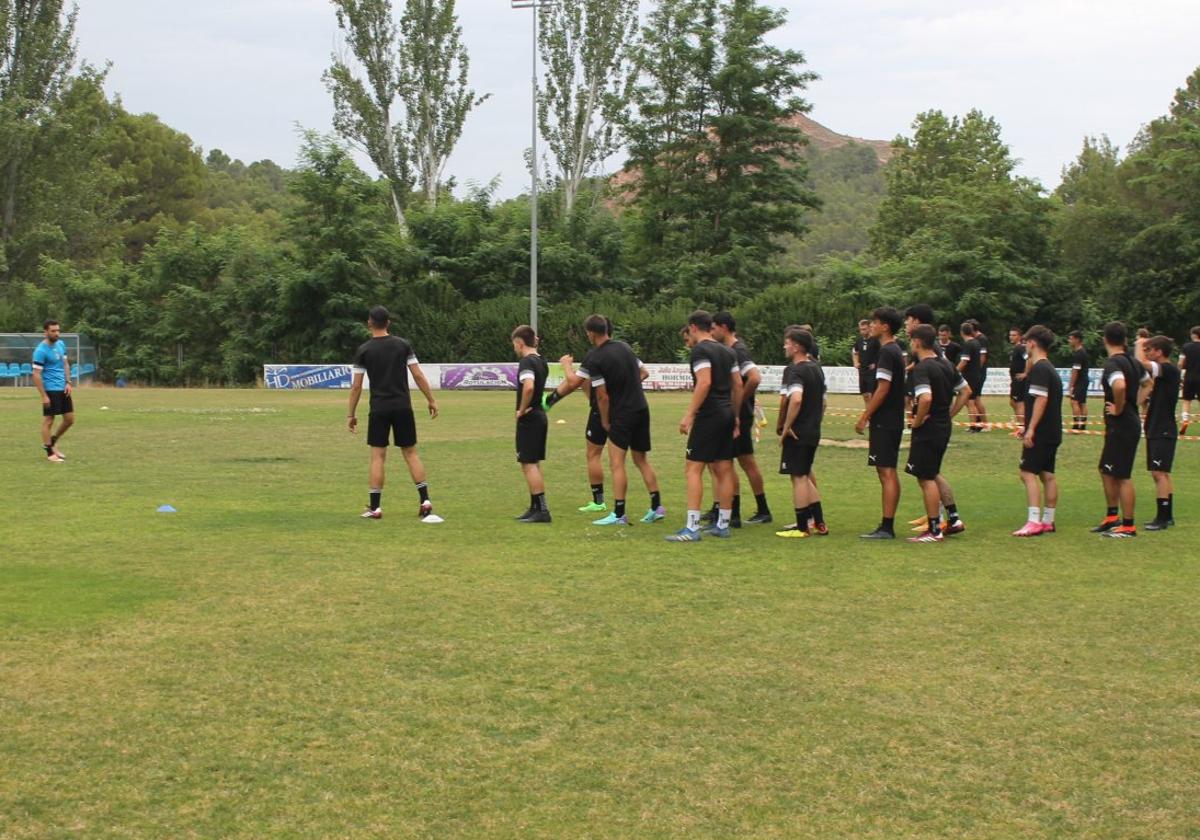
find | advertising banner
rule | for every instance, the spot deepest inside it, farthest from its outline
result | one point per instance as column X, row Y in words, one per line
column 295, row 377
column 484, row 377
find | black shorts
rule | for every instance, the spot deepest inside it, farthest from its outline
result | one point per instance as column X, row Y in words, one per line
column 711, row 438
column 866, row 384
column 595, row 430
column 885, row 447
column 925, row 456
column 1160, row 454
column 631, row 432
column 60, row 403
column 1017, row 389
column 743, row 444
column 975, row 383
column 400, row 424
column 531, row 438
column 796, row 458
column 1120, row 451
column 1080, row 393
column 1191, row 390
column 1039, row 458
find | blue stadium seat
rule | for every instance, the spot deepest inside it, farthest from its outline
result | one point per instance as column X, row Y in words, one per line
column 26, row 373
column 10, row 372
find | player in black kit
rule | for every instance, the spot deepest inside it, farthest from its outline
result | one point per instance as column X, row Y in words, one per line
column 725, row 331
column 864, row 353
column 1041, row 435
column 799, row 429
column 972, row 366
column 1122, row 432
column 884, row 415
column 1081, row 365
column 1189, row 366
column 1017, row 360
column 1160, row 396
column 532, row 371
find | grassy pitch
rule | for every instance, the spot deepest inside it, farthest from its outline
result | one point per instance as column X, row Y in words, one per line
column 264, row 663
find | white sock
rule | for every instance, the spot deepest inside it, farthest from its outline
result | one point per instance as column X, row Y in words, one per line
column 1048, row 516
column 723, row 517
column 693, row 520
column 1186, row 417
column 1034, row 514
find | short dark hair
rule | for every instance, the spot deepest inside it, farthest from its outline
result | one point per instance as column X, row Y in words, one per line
column 1076, row 334
column 864, row 322
column 597, row 325
column 1143, row 332
column 923, row 312
column 379, row 317
column 944, row 328
column 923, row 333
column 48, row 323
column 1115, row 334
column 888, row 315
column 1195, row 332
column 1039, row 335
column 526, row 334
column 802, row 337
column 1161, row 343
column 975, row 323
column 967, row 328
column 701, row 319
column 808, row 327
column 1016, row 328
column 725, row 319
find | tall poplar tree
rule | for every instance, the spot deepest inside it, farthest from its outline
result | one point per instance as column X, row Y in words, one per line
column 587, row 49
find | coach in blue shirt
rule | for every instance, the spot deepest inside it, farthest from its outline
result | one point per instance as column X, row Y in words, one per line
column 52, row 376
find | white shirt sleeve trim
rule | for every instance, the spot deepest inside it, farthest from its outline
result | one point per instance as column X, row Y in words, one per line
column 960, row 385
column 358, row 371
column 921, row 390
column 641, row 364
column 412, row 360
column 1155, row 370
column 883, row 373
column 747, row 367
column 38, row 366
column 703, row 364
column 598, row 381
column 583, row 373
column 1077, row 366
column 526, row 375
column 1039, row 391
column 1114, row 376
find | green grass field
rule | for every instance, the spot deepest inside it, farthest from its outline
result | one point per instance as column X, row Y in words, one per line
column 264, row 663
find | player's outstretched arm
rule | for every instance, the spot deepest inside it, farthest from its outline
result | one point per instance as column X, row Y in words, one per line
column 418, row 376
column 356, row 387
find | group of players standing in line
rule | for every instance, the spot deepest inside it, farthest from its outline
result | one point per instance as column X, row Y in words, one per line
column 921, row 392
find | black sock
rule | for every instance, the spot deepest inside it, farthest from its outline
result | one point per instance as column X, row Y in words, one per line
column 375, row 496
column 1164, row 510
column 818, row 515
column 737, row 507
column 951, row 513
column 655, row 500
column 533, row 502
column 715, row 509
column 802, row 518
column 935, row 525
column 598, row 494
column 760, row 499
column 49, row 449
column 1171, row 507
column 423, row 489
column 539, row 502
column 1126, row 523
column 888, row 524
column 53, row 439
column 1112, row 511
column 619, row 508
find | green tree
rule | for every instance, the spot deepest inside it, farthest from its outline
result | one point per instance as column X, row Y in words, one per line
column 37, row 53
column 587, row 47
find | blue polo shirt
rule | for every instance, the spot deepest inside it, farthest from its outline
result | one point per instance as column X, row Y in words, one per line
column 51, row 359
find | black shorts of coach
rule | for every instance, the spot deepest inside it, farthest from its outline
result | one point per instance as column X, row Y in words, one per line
column 711, row 438
column 743, row 444
column 975, row 383
column 866, row 383
column 594, row 432
column 1191, row 390
column 884, row 452
column 796, row 458
column 926, row 452
column 1017, row 390
column 1120, row 450
column 398, row 425
column 1160, row 454
column 1079, row 395
column 60, row 403
column 1039, row 458
column 531, row 437
column 630, row 431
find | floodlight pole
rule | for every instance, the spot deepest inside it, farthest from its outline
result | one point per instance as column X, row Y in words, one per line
column 533, row 6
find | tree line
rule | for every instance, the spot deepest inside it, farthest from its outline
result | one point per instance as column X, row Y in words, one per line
column 196, row 268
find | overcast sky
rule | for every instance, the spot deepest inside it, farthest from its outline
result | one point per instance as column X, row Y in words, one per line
column 239, row 75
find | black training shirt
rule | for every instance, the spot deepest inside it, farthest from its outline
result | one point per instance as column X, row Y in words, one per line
column 1191, row 358
column 532, row 367
column 741, row 355
column 952, row 350
column 808, row 379
column 1044, row 381
column 720, row 361
column 935, row 377
column 615, row 366
column 385, row 361
column 1016, row 360
column 1083, row 364
column 890, row 368
column 1116, row 367
column 1160, row 415
column 971, row 352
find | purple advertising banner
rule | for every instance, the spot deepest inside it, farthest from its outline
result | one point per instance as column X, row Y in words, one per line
column 479, row 377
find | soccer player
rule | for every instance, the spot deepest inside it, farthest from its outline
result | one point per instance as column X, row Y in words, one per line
column 52, row 378
column 725, row 331
column 971, row 366
column 868, row 357
column 711, row 423
column 1161, row 434
column 1189, row 366
column 885, row 416
column 950, row 348
column 1081, row 366
column 856, row 352
column 1122, row 431
column 615, row 375
column 532, row 371
column 935, row 385
column 799, row 427
column 1016, row 374
column 388, row 360
column 1041, row 435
